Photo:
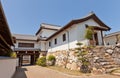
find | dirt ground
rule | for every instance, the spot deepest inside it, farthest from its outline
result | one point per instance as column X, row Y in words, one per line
column 42, row 72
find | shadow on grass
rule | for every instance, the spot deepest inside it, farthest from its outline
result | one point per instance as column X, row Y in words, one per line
column 20, row 73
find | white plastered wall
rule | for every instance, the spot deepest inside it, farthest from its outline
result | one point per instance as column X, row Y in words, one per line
column 82, row 29
column 36, row 44
column 64, row 45
column 76, row 34
column 46, row 33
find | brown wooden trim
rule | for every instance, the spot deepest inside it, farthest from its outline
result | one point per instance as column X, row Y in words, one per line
column 102, row 37
column 28, row 53
column 98, row 28
column 33, row 57
column 27, row 45
column 92, row 16
column 41, row 40
column 14, row 39
column 50, row 29
column 7, row 33
column 4, row 43
column 25, row 40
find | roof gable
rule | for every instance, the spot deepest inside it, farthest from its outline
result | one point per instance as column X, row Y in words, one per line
column 90, row 16
column 113, row 34
column 25, row 37
column 48, row 27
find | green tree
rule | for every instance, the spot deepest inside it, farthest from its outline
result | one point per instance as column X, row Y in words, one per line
column 89, row 33
column 41, row 61
column 82, row 57
column 51, row 60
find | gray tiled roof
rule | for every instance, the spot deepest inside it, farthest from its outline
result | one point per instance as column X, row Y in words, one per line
column 113, row 34
column 50, row 26
column 27, row 49
column 25, row 37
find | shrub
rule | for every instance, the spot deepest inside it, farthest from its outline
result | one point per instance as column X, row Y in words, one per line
column 89, row 33
column 41, row 61
column 51, row 57
column 13, row 54
column 51, row 60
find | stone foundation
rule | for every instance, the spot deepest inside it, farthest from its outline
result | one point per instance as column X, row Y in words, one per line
column 102, row 59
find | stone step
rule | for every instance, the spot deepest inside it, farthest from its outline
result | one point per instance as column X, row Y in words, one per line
column 106, row 56
column 104, row 60
column 107, row 63
column 118, row 74
column 111, row 69
column 110, row 66
column 108, row 59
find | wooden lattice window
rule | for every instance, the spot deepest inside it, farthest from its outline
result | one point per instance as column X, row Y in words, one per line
column 28, row 45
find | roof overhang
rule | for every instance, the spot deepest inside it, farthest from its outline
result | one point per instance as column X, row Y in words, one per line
column 98, row 28
column 3, row 43
column 45, row 28
column 112, row 34
column 4, row 28
column 27, row 49
column 40, row 39
column 71, row 23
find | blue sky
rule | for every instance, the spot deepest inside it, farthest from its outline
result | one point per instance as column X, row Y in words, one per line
column 25, row 16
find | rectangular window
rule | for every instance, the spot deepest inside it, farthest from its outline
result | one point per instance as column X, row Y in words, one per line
column 28, row 45
column 55, row 41
column 49, row 43
column 64, row 37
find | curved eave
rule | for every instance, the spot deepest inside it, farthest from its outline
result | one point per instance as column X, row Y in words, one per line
column 91, row 16
column 98, row 28
column 45, row 28
column 100, row 22
column 3, row 43
column 4, row 28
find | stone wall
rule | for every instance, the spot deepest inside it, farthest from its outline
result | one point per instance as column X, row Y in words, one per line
column 66, row 59
column 102, row 59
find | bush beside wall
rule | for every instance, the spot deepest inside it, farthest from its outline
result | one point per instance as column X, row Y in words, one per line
column 41, row 61
column 101, row 59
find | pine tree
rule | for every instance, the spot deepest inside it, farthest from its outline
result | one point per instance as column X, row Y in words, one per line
column 82, row 57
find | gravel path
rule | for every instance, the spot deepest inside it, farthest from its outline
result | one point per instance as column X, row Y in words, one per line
column 42, row 72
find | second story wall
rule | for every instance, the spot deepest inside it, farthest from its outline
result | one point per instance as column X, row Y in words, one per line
column 45, row 33
column 58, row 42
column 24, row 42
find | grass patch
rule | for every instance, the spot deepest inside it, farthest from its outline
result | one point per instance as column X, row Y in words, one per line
column 116, row 71
column 67, row 71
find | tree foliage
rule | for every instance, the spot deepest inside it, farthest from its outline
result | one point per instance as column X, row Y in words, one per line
column 82, row 57
column 89, row 33
column 51, row 60
column 41, row 61
column 51, row 57
column 13, row 54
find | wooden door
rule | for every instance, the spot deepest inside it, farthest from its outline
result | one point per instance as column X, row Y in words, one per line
column 96, row 38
